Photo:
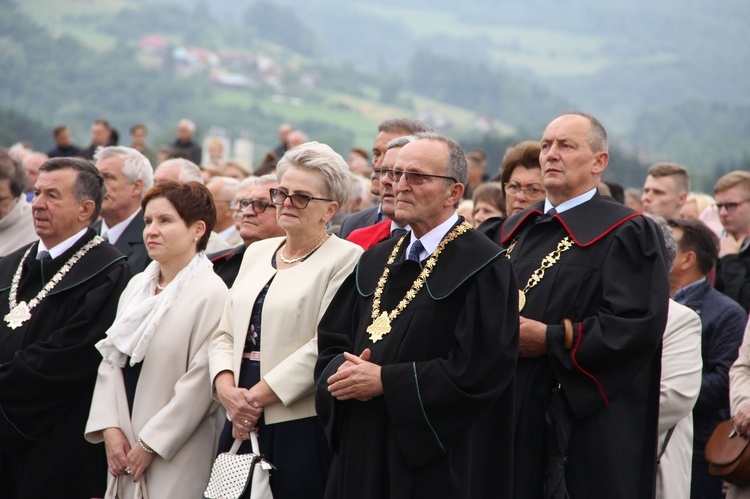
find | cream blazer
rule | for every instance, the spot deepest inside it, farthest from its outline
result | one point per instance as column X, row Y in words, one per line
column 681, row 368
column 173, row 411
column 293, row 307
column 739, row 395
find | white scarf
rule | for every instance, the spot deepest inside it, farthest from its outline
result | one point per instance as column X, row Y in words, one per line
column 131, row 332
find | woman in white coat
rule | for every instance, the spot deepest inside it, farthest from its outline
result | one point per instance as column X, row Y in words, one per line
column 152, row 404
column 262, row 356
column 739, row 398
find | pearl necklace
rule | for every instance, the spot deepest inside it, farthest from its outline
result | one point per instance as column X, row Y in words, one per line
column 21, row 312
column 295, row 260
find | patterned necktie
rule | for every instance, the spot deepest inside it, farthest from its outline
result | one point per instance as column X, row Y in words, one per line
column 43, row 255
column 415, row 251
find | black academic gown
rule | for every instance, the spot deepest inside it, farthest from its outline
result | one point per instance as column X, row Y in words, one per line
column 613, row 285
column 47, row 372
column 227, row 263
column 443, row 426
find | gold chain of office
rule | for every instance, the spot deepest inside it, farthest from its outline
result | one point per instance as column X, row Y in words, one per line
column 548, row 261
column 381, row 324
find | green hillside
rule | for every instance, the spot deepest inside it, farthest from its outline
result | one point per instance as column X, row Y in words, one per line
column 335, row 70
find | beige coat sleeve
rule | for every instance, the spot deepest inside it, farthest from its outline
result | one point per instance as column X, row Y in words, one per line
column 739, row 375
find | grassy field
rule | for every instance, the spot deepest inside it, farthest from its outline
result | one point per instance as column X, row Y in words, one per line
column 72, row 17
column 359, row 115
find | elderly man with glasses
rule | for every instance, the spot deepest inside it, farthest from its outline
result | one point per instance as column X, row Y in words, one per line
column 256, row 220
column 418, row 348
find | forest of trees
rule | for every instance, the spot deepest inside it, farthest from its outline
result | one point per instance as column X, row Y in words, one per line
column 58, row 79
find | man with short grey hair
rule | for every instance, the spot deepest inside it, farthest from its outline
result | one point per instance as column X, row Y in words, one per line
column 31, row 164
column 594, row 305
column 186, row 142
column 128, row 176
column 223, row 190
column 179, row 170
column 418, row 349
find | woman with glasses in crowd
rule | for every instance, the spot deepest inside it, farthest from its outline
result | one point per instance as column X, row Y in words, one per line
column 152, row 405
column 262, row 356
column 521, row 178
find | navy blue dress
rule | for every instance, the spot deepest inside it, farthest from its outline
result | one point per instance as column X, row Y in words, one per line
column 298, row 448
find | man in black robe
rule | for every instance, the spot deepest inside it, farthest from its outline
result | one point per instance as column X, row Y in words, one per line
column 596, row 291
column 414, row 377
column 48, row 362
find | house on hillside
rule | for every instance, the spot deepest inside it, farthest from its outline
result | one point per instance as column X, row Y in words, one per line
column 153, row 43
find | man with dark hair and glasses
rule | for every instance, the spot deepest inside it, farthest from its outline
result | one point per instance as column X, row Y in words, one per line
column 256, row 220
column 387, row 131
column 732, row 193
column 390, row 227
column 418, row 348
column 58, row 297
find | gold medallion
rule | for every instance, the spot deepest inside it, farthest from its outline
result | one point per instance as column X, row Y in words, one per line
column 379, row 327
column 521, row 299
column 18, row 315
column 381, row 321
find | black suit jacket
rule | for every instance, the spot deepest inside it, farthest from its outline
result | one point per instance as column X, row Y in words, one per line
column 130, row 243
column 363, row 218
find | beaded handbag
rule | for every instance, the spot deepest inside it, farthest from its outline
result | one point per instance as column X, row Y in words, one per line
column 240, row 476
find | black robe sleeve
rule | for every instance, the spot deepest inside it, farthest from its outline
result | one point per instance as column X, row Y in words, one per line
column 621, row 337
column 335, row 336
column 432, row 402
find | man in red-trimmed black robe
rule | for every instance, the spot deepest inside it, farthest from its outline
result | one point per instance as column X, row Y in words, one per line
column 596, row 299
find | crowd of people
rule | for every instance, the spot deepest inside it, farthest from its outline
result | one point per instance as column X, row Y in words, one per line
column 390, row 325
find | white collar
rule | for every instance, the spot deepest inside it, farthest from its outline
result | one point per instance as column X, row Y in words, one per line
column 432, row 239
column 570, row 203
column 113, row 233
column 62, row 247
column 227, row 233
